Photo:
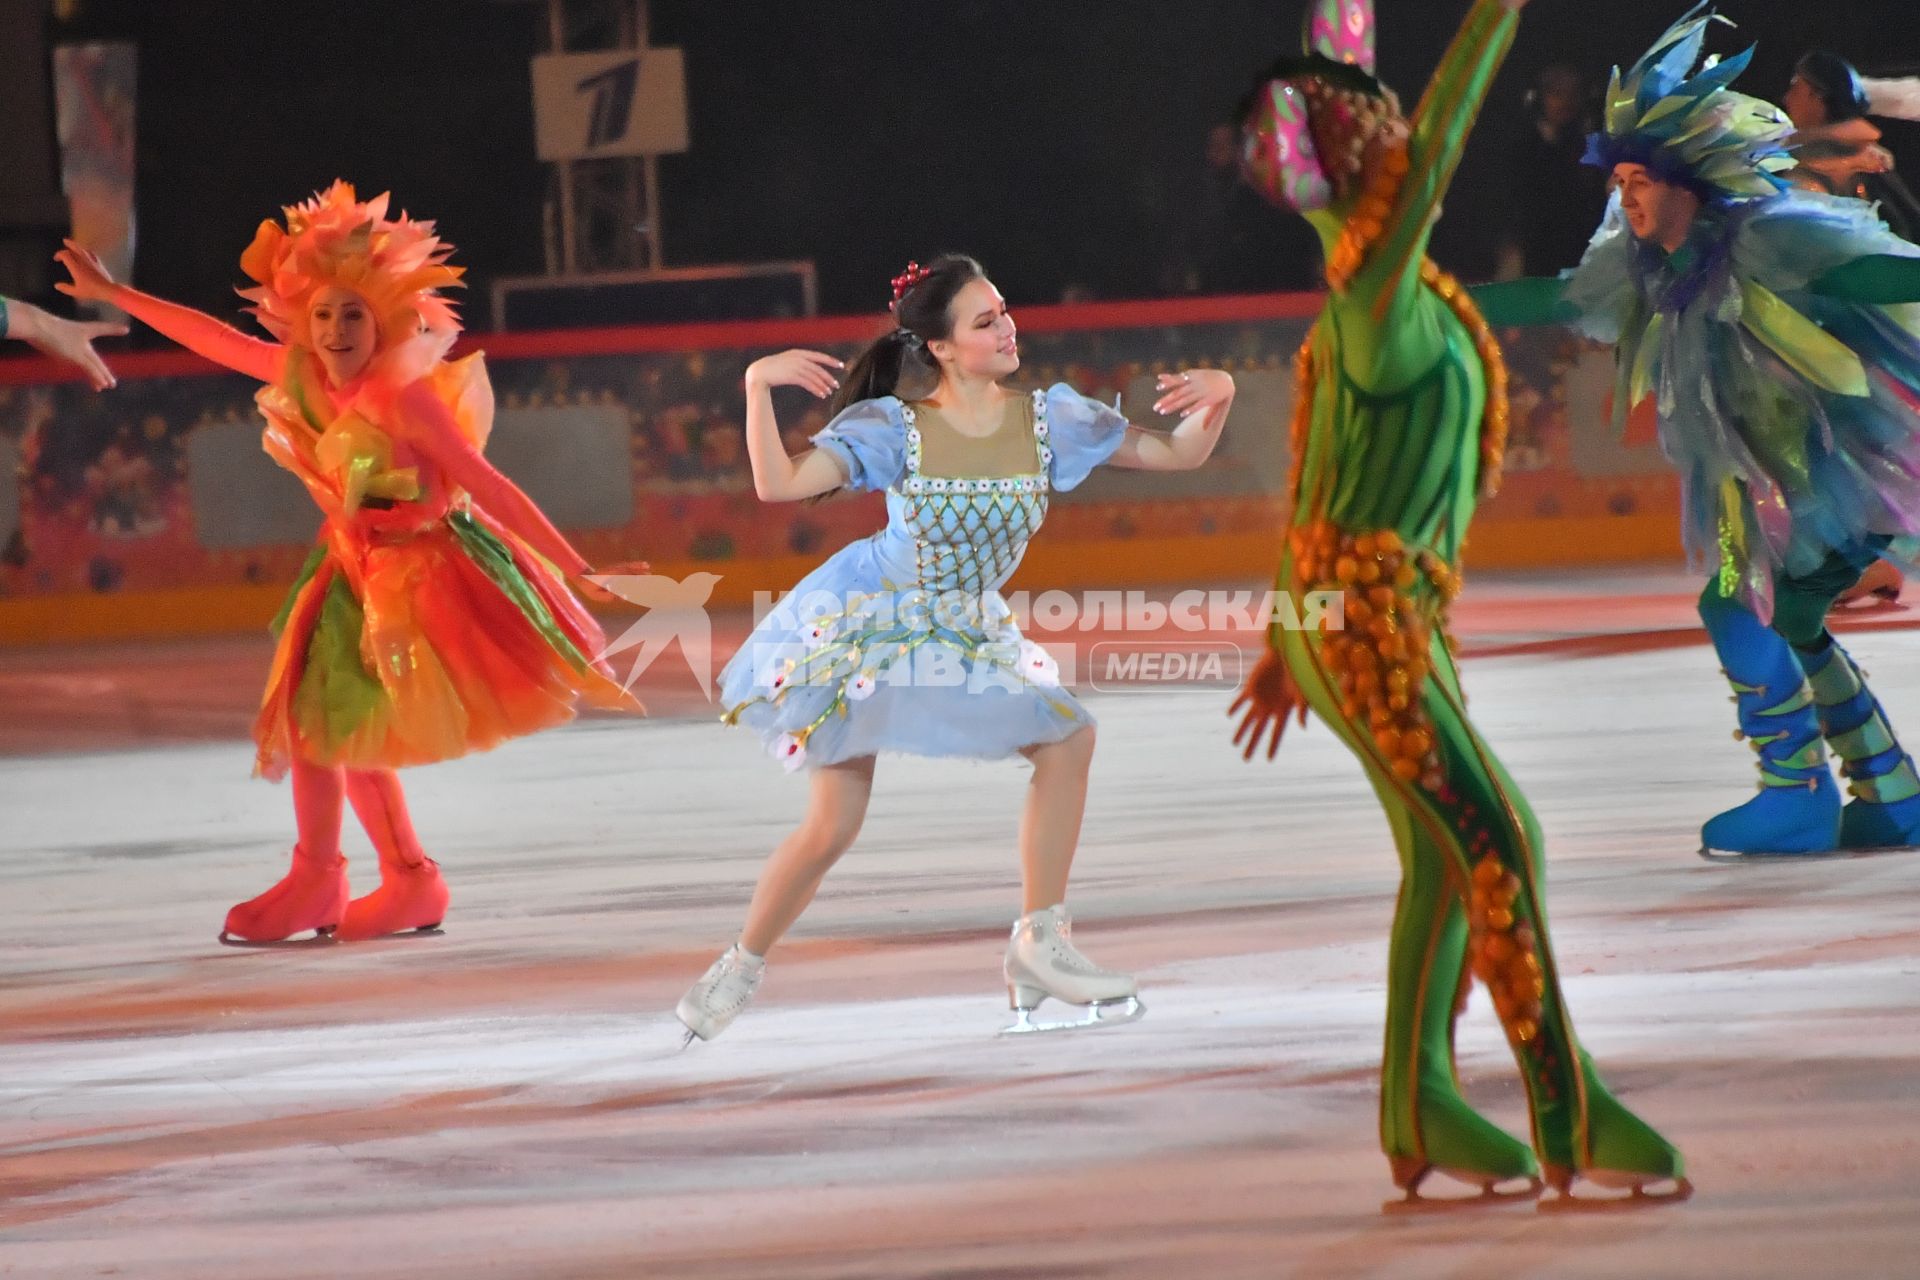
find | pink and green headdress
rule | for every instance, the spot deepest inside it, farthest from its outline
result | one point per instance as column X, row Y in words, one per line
column 1342, row 31
column 1690, row 129
column 1281, row 160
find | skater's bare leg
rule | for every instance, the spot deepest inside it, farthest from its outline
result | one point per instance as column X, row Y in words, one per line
column 1050, row 826
column 792, row 876
column 1041, row 960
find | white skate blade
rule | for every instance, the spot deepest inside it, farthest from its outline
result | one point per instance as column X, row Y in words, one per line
column 1815, row 855
column 404, row 935
column 1101, row 1013
column 321, row 937
column 696, row 1024
column 695, row 1029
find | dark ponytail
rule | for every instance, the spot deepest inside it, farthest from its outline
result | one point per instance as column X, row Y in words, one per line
column 877, row 370
column 922, row 314
column 1835, row 82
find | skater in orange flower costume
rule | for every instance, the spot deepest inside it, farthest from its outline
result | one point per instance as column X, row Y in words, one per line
column 434, row 616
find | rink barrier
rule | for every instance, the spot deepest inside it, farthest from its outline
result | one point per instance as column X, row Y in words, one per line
column 89, row 561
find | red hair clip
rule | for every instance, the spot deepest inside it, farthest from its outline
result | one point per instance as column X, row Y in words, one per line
column 912, row 276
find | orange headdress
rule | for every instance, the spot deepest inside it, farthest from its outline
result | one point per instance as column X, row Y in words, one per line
column 334, row 239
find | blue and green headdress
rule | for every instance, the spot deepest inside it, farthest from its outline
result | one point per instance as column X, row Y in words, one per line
column 1693, row 132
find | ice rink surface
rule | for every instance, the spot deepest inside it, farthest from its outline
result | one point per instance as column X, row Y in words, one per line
column 510, row 1099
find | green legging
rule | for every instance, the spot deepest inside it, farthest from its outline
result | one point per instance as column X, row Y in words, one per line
column 1398, row 430
column 1471, row 902
column 1801, row 602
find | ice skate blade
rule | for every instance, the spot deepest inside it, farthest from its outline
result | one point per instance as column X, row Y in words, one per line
column 1101, row 1013
column 322, row 937
column 1816, row 855
column 401, row 935
column 1410, row 1175
column 1879, row 600
column 1665, row 1190
column 697, row 1027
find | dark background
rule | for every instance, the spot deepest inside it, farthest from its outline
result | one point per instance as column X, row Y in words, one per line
column 1058, row 141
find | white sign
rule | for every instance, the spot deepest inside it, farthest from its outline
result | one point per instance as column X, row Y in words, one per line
column 624, row 102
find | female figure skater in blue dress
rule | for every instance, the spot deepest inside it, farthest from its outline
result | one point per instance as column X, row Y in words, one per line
column 901, row 642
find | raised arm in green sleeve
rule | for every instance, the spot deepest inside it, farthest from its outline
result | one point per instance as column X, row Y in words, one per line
column 1881, row 279
column 1535, row 300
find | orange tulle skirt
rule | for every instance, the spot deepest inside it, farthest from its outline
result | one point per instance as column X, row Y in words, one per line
column 410, row 644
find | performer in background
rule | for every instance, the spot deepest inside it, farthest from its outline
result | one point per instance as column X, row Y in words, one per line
column 1766, row 322
column 1840, row 152
column 1838, row 149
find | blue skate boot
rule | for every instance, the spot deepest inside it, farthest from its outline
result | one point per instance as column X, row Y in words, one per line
column 1798, row 808
column 1885, row 811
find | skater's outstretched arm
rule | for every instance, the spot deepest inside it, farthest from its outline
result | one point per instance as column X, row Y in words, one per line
column 195, row 330
column 1437, row 137
column 1202, row 397
column 69, row 340
column 1536, row 300
column 434, row 430
column 1385, row 342
column 1881, row 279
column 778, row 477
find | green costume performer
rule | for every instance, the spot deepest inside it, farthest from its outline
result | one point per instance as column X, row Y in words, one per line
column 1399, row 421
column 1768, row 326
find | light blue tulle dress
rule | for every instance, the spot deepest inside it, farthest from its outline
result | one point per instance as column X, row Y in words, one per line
column 901, row 642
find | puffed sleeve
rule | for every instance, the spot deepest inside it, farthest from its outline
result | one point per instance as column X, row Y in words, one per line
column 870, row 440
column 1082, row 433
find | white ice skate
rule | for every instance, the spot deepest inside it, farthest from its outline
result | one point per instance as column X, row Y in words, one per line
column 726, row 988
column 1042, row 963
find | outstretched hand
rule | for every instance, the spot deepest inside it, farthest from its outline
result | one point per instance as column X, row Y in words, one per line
column 69, row 340
column 91, row 280
column 1269, row 696
column 813, row 370
column 1184, row 393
